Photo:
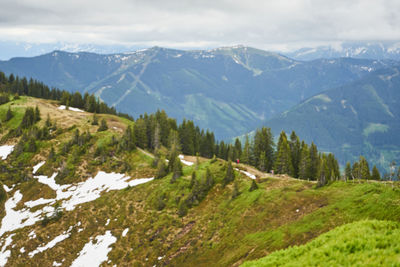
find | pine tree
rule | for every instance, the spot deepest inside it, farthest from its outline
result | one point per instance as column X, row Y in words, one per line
column 235, row 192
column 95, row 120
column 295, row 149
column 364, row 168
column 37, row 114
column 230, row 175
column 253, row 186
column 177, row 170
column 52, row 154
column 375, row 174
column 103, row 126
column 304, row 162
column 355, row 171
column 161, row 170
column 348, row 171
column 246, row 151
column 9, row 114
column 192, row 180
column 314, row 162
column 48, row 121
column 182, row 209
column 209, row 181
column 283, row 162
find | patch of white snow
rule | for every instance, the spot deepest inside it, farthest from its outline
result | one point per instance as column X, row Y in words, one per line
column 62, row 107
column 5, row 151
column 125, row 232
column 38, row 166
column 181, row 157
column 51, row 244
column 95, row 253
column 252, row 176
column 4, row 254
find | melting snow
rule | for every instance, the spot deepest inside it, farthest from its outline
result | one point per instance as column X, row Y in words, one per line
column 6, row 188
column 125, row 232
column 181, row 157
column 72, row 195
column 57, row 263
column 108, row 221
column 94, row 253
column 62, row 107
column 37, row 166
column 252, row 176
column 22, row 250
column 32, row 234
column 5, row 151
column 4, row 254
column 51, row 244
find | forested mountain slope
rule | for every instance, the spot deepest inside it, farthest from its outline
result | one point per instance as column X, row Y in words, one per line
column 360, row 118
column 229, row 90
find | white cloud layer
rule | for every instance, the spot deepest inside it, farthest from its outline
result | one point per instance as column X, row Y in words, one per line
column 199, row 23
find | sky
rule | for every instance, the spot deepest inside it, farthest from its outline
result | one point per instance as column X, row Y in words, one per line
column 196, row 24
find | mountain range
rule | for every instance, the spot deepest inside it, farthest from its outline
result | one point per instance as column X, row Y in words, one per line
column 359, row 118
column 342, row 104
column 229, row 90
column 365, row 50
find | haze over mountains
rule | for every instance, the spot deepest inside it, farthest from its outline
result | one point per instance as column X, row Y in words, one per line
column 233, row 90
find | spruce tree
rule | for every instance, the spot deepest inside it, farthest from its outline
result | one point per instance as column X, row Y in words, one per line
column 375, row 174
column 209, row 181
column 295, row 149
column 161, row 170
column 9, row 114
column 347, row 171
column 246, row 151
column 364, row 168
column 177, row 170
column 230, row 175
column 283, row 162
column 253, row 186
column 95, row 120
column 235, row 192
column 314, row 162
column 103, row 126
column 304, row 162
column 192, row 180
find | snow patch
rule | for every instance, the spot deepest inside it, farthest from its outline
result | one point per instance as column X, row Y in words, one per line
column 22, row 250
column 38, row 166
column 251, row 176
column 108, row 221
column 4, row 254
column 5, row 151
column 40, row 201
column 51, row 244
column 32, row 234
column 125, row 232
column 62, row 107
column 57, row 263
column 181, row 157
column 95, row 253
column 7, row 189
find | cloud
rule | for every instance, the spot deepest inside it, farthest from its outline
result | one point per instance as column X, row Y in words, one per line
column 199, row 23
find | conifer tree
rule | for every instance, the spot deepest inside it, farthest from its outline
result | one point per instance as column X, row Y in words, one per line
column 95, row 120
column 177, row 170
column 235, row 192
column 314, row 162
column 103, row 126
column 283, row 162
column 253, row 186
column 192, row 180
column 304, row 164
column 246, row 151
column 375, row 174
column 348, row 171
column 295, row 149
column 355, row 171
column 48, row 121
column 364, row 168
column 161, row 170
column 52, row 154
column 230, row 175
column 9, row 114
column 37, row 114
column 209, row 181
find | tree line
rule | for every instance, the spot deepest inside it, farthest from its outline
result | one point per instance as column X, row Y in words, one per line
column 22, row 86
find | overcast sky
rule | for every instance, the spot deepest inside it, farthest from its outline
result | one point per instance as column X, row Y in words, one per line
column 266, row 24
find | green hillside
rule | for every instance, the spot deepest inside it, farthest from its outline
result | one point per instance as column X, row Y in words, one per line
column 363, row 243
column 361, row 118
column 166, row 221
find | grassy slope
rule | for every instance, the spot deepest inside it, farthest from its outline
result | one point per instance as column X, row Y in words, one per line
column 219, row 231
column 363, row 243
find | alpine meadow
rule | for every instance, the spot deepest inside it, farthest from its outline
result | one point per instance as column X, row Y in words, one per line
column 211, row 133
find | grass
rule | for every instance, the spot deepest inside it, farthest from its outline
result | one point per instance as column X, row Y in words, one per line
column 218, row 231
column 362, row 243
